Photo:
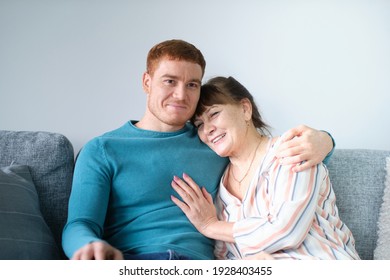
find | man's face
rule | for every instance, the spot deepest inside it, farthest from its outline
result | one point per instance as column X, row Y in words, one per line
column 173, row 91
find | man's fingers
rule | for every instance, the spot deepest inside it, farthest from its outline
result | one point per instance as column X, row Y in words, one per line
column 291, row 160
column 101, row 255
column 76, row 256
column 85, row 253
column 289, row 151
column 118, row 255
column 97, row 251
column 293, row 132
column 303, row 166
column 289, row 134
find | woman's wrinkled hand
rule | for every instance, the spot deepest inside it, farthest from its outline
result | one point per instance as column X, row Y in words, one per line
column 197, row 203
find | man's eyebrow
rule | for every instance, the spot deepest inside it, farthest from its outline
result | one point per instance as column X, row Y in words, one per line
column 177, row 77
column 169, row 76
column 199, row 82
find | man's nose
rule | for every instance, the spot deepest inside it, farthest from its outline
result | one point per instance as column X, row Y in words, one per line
column 180, row 92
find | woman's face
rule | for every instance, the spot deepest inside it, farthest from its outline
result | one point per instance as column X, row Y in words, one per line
column 223, row 128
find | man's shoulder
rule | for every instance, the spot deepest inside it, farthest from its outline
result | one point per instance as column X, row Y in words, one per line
column 121, row 131
column 112, row 134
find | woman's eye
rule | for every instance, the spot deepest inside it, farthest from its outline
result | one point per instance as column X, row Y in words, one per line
column 198, row 125
column 213, row 114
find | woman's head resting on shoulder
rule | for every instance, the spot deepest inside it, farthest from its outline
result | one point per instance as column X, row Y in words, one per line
column 226, row 107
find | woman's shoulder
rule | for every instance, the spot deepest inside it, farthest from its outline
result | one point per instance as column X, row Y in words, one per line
column 274, row 142
column 270, row 151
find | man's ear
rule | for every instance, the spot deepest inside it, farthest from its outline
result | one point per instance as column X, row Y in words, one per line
column 146, row 80
column 247, row 108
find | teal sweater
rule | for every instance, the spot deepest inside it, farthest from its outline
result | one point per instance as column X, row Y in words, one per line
column 122, row 187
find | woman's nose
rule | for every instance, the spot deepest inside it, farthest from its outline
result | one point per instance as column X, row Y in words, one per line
column 208, row 128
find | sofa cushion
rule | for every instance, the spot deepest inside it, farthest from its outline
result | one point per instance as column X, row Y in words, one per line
column 382, row 251
column 358, row 176
column 24, row 233
column 50, row 158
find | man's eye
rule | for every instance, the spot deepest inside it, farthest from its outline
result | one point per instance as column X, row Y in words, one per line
column 169, row 82
column 193, row 85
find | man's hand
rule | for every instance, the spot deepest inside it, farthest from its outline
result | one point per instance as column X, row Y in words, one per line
column 304, row 144
column 98, row 250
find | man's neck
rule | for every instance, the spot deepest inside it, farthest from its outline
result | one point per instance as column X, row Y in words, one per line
column 157, row 126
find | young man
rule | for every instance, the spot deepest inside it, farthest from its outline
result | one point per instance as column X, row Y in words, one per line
column 120, row 204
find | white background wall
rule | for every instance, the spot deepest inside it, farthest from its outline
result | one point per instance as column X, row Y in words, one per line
column 75, row 66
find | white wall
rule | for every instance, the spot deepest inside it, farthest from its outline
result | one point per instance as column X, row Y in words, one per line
column 75, row 67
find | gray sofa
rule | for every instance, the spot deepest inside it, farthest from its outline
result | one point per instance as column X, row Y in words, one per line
column 357, row 176
column 50, row 159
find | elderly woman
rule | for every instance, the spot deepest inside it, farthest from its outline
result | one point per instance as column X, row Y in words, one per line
column 263, row 206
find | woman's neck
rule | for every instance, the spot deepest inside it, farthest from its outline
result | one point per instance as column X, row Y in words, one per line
column 241, row 158
column 242, row 169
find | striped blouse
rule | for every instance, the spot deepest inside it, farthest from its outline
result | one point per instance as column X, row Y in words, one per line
column 289, row 215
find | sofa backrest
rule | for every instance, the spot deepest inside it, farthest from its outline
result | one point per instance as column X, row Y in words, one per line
column 358, row 178
column 50, row 158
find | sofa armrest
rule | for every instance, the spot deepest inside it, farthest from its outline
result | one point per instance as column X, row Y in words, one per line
column 50, row 158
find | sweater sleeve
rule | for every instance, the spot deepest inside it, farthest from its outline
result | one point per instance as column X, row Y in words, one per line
column 329, row 155
column 291, row 203
column 88, row 200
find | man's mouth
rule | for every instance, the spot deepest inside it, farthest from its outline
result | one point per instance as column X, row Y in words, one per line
column 177, row 106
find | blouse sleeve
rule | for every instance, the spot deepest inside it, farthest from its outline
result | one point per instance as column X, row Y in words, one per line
column 291, row 200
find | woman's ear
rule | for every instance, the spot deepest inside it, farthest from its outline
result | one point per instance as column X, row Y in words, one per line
column 247, row 108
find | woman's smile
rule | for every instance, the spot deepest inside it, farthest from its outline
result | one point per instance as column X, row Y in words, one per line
column 216, row 139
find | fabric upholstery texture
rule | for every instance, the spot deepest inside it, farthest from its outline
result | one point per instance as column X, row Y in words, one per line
column 358, row 176
column 50, row 158
column 24, row 233
column 382, row 250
